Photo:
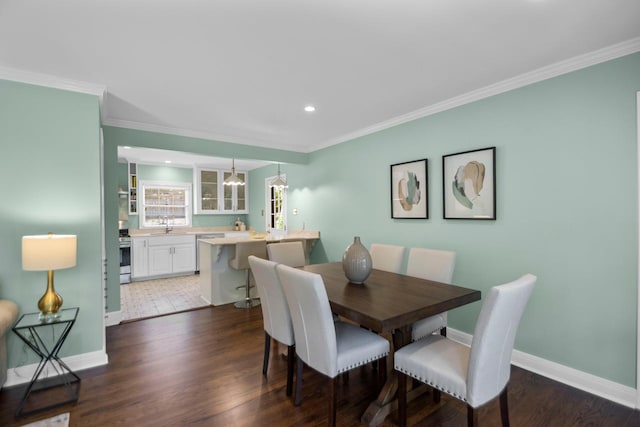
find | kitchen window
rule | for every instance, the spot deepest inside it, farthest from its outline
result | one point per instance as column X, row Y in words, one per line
column 165, row 205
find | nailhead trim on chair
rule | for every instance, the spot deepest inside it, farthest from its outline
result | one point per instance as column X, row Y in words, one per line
column 364, row 362
column 436, row 386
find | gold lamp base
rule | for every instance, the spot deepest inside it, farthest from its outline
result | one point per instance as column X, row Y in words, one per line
column 50, row 303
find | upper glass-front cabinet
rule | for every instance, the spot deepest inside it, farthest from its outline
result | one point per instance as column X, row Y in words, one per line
column 212, row 197
column 235, row 196
column 208, row 200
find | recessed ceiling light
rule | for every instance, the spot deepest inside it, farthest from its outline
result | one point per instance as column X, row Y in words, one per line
column 167, row 161
column 309, row 108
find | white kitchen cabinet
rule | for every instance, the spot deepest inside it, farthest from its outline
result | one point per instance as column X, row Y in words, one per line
column 160, row 260
column 139, row 257
column 213, row 197
column 235, row 196
column 166, row 255
column 207, row 194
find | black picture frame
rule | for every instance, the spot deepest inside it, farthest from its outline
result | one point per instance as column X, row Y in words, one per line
column 469, row 185
column 410, row 190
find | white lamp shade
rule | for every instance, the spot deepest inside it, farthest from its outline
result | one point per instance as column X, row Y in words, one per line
column 48, row 252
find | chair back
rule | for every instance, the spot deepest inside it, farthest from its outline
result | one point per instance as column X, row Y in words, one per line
column 313, row 326
column 387, row 257
column 431, row 264
column 493, row 338
column 287, row 253
column 244, row 249
column 275, row 311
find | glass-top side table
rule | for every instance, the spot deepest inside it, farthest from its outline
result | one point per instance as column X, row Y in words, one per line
column 31, row 329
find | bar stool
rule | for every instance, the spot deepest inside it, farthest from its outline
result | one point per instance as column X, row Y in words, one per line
column 241, row 262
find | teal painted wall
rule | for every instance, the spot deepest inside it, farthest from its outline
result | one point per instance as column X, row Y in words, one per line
column 566, row 207
column 50, row 181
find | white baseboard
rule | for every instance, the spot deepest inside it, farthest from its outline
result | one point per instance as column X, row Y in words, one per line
column 113, row 318
column 78, row 362
column 604, row 388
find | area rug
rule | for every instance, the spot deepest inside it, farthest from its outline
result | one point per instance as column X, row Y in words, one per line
column 61, row 420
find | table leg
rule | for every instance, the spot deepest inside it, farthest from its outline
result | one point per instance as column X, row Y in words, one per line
column 64, row 375
column 386, row 401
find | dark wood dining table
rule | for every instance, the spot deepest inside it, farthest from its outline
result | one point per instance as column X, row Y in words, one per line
column 388, row 303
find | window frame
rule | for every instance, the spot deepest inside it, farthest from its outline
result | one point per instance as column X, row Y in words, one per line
column 269, row 205
column 188, row 197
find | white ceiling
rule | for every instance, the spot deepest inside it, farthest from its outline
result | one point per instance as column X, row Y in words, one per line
column 242, row 70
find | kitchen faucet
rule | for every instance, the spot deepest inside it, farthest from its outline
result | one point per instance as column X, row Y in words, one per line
column 167, row 229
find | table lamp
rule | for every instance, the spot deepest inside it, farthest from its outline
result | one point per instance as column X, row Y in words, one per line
column 48, row 253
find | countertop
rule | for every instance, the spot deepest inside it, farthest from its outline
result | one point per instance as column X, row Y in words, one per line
column 270, row 238
column 229, row 234
column 177, row 231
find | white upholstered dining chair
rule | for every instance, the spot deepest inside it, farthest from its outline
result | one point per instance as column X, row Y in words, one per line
column 275, row 314
column 287, row 253
column 436, row 265
column 329, row 347
column 474, row 375
column 387, row 257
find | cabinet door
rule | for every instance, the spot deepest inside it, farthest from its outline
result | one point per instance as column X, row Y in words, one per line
column 160, row 260
column 139, row 257
column 241, row 195
column 184, row 258
column 235, row 196
column 207, row 191
column 227, row 194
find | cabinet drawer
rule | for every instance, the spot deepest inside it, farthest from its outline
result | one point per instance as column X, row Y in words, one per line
column 171, row 240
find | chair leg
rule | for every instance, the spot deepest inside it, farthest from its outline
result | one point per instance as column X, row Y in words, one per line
column 382, row 371
column 333, row 385
column 267, row 348
column 345, row 377
column 504, row 408
column 402, row 399
column 437, row 395
column 291, row 357
column 472, row 417
column 298, row 397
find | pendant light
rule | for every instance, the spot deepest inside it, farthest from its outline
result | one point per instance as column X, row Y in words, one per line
column 278, row 182
column 233, row 178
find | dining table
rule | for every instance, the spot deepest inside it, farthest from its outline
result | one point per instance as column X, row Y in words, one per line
column 388, row 304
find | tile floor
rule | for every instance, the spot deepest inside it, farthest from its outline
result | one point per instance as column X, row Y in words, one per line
column 161, row 296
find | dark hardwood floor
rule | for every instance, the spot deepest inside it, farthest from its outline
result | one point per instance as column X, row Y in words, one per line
column 204, row 367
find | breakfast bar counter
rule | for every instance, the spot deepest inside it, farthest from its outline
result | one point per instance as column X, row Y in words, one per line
column 218, row 281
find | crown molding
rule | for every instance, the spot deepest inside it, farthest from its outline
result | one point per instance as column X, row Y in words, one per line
column 55, row 82
column 554, row 70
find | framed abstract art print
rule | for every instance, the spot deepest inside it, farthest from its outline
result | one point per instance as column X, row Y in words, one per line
column 409, row 190
column 469, row 184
